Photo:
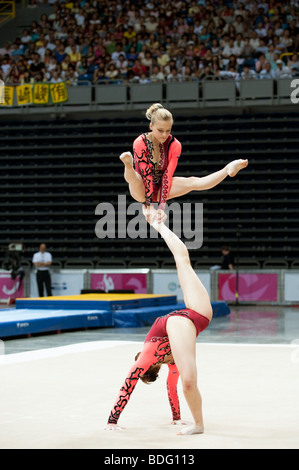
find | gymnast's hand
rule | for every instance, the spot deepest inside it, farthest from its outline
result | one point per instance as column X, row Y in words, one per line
column 161, row 216
column 113, row 427
column 152, row 215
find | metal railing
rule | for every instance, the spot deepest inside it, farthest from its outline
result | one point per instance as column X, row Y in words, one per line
column 7, row 10
column 194, row 94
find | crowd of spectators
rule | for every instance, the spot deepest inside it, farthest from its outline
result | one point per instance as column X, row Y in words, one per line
column 102, row 41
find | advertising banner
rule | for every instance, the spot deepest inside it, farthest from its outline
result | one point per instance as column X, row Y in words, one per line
column 10, row 288
column 63, row 282
column 24, row 94
column 6, row 98
column 252, row 287
column 167, row 283
column 38, row 93
column 119, row 281
column 291, row 287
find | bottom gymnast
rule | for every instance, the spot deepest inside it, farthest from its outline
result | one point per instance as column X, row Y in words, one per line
column 172, row 341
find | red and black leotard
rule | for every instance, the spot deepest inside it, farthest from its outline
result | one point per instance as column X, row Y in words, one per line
column 156, row 176
column 156, row 347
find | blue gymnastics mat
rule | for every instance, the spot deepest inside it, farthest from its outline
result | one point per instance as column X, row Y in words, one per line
column 19, row 322
column 97, row 301
column 78, row 312
column 131, row 318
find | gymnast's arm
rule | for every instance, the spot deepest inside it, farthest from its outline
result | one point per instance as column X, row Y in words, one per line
column 144, row 361
column 144, row 167
column 172, row 380
column 166, row 181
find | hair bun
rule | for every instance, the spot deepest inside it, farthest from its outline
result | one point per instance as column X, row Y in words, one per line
column 154, row 107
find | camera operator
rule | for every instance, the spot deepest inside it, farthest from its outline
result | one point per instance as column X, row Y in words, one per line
column 42, row 260
column 12, row 262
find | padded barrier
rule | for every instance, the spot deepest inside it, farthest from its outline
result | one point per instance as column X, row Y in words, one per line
column 146, row 316
column 142, row 316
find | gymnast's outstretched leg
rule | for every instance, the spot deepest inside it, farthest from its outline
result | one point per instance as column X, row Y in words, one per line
column 182, row 334
column 179, row 185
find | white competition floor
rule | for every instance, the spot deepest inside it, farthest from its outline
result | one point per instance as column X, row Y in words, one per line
column 61, row 396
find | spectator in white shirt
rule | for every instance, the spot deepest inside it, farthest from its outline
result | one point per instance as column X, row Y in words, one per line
column 283, row 71
column 5, row 66
column 267, row 72
column 157, row 75
column 248, row 73
column 26, row 37
column 80, row 17
column 254, row 40
column 261, row 31
column 6, row 49
column 119, row 50
column 231, row 49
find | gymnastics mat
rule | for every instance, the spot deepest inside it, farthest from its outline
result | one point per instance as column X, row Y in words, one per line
column 97, row 301
column 131, row 318
column 46, row 314
column 19, row 322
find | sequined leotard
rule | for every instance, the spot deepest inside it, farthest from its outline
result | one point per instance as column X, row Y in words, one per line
column 156, row 176
column 155, row 348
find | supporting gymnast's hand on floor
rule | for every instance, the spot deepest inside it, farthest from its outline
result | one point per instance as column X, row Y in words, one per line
column 113, row 427
column 182, row 422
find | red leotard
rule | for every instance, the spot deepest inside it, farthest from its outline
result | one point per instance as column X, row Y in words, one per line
column 156, row 176
column 156, row 347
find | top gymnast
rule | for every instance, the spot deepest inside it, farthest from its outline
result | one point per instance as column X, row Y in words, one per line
column 150, row 173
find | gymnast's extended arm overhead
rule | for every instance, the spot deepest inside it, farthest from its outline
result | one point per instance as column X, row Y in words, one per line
column 153, row 353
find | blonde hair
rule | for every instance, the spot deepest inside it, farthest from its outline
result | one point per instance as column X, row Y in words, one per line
column 157, row 112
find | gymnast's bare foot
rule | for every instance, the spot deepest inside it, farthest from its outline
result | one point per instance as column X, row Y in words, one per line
column 191, row 429
column 235, row 166
column 127, row 159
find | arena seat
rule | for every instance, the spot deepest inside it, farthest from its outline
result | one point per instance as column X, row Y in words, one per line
column 58, row 171
column 280, row 263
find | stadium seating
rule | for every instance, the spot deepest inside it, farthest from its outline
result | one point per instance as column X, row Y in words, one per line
column 58, row 171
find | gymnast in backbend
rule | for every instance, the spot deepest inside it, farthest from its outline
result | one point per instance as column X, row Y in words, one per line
column 149, row 172
column 172, row 341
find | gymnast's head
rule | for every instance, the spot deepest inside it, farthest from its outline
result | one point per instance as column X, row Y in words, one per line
column 151, row 374
column 161, row 122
